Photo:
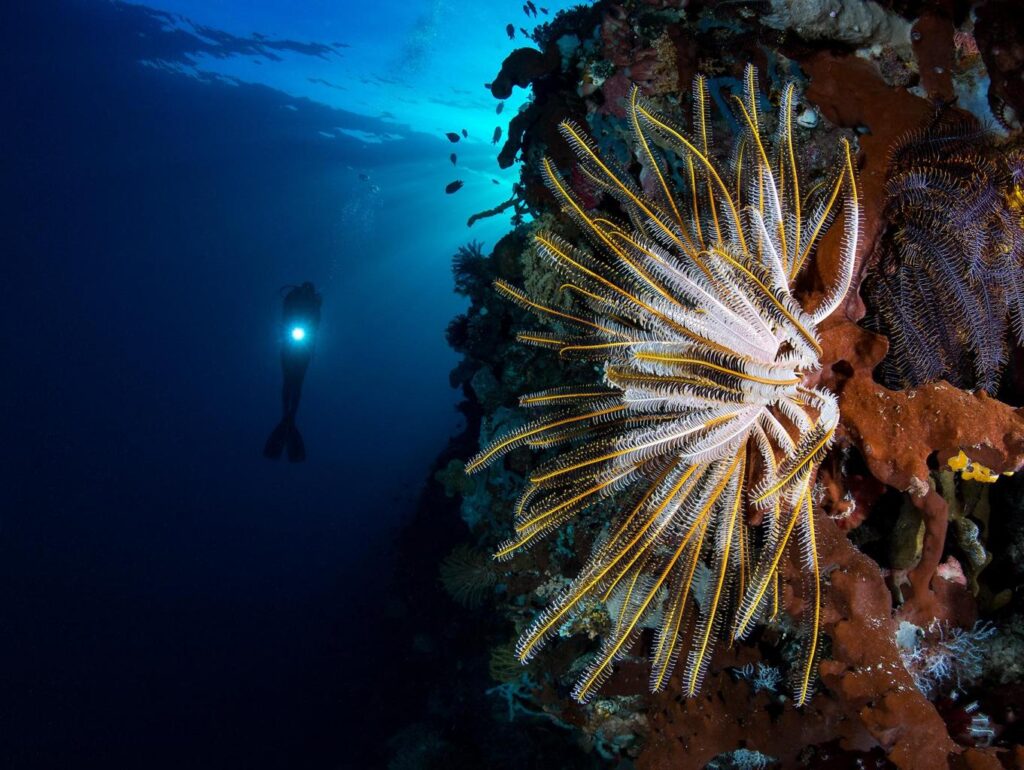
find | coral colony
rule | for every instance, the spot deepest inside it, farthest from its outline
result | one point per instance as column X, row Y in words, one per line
column 704, row 412
column 773, row 412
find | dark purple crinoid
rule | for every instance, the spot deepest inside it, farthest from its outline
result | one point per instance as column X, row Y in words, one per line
column 949, row 283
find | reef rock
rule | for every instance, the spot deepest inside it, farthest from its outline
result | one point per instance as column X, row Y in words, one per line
column 854, row 22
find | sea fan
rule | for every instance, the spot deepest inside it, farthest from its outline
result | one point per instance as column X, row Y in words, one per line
column 702, row 414
column 950, row 279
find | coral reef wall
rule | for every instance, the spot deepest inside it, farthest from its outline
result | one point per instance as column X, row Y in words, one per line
column 920, row 525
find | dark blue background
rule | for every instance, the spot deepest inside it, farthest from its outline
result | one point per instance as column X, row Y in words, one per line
column 169, row 598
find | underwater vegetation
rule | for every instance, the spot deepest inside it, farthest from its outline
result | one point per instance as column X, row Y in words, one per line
column 948, row 290
column 682, row 290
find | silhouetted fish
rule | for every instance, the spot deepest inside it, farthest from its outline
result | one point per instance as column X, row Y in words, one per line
column 452, row 136
column 544, row 11
column 365, row 177
column 495, row 181
column 501, row 106
column 510, row 31
column 497, row 135
column 465, row 133
column 453, row 186
column 452, row 158
column 531, row 8
column 524, row 32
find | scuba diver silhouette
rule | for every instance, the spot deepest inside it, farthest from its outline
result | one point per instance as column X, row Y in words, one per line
column 300, row 321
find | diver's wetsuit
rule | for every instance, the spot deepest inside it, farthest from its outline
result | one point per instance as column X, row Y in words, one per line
column 301, row 316
column 293, row 368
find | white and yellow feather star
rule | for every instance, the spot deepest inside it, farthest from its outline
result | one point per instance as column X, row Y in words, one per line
column 702, row 414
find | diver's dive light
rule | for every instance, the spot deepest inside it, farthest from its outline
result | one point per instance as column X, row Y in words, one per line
column 297, row 335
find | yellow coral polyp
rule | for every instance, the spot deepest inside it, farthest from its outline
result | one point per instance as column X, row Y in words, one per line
column 972, row 471
column 958, row 463
column 977, row 472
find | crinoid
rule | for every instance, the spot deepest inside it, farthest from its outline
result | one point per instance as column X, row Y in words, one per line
column 703, row 414
column 950, row 277
column 467, row 575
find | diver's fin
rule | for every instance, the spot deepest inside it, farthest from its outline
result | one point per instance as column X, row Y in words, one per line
column 275, row 442
column 296, row 448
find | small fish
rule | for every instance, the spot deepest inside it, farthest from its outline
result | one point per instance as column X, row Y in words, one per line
column 544, row 11
column 465, row 133
column 501, row 106
column 364, row 177
column 497, row 135
column 454, row 186
column 510, row 31
column 495, row 181
column 524, row 32
column 531, row 8
column 488, row 86
column 453, row 158
column 452, row 136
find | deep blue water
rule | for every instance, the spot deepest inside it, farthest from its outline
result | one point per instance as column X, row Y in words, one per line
column 169, row 597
